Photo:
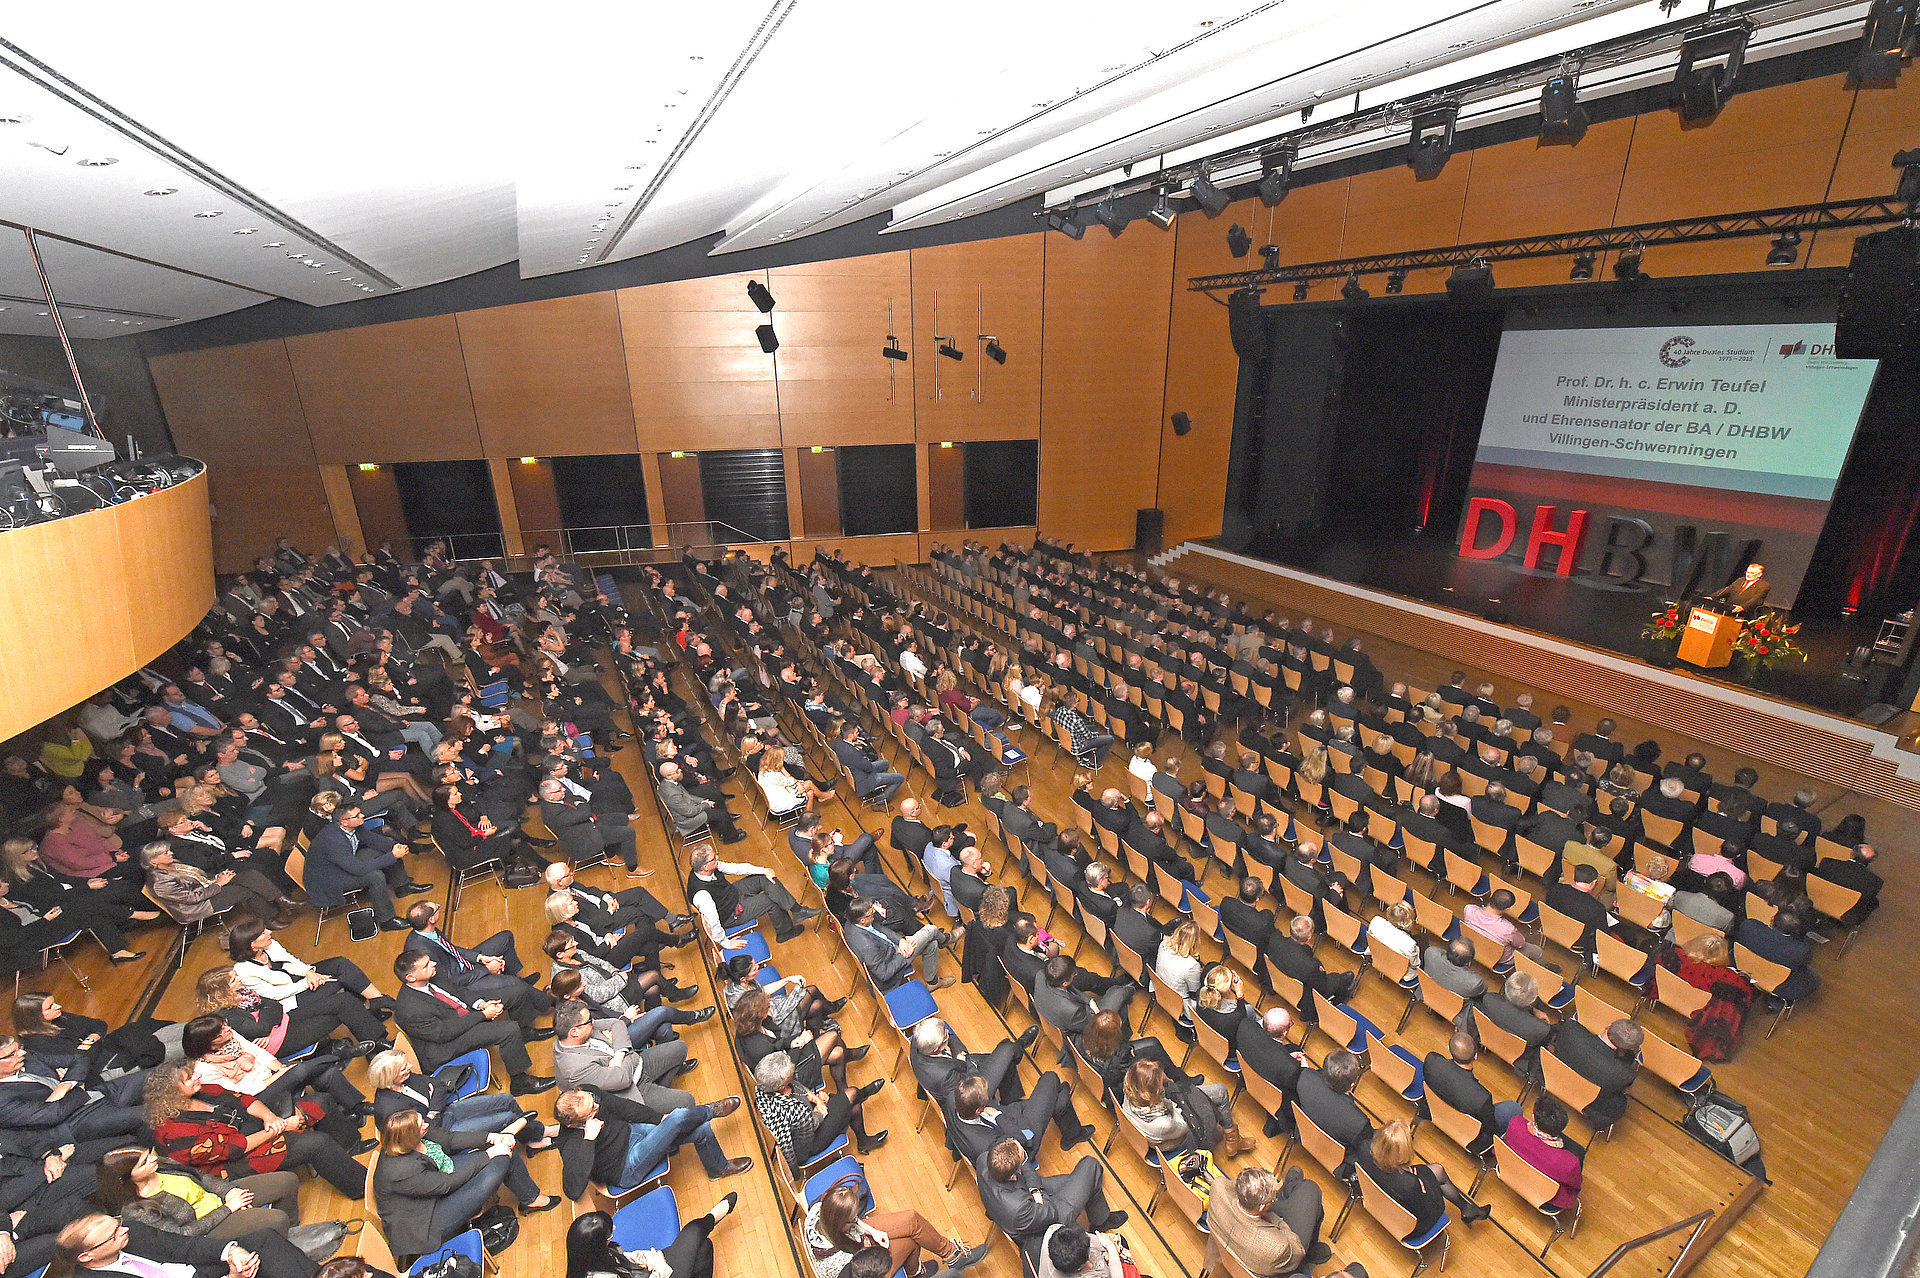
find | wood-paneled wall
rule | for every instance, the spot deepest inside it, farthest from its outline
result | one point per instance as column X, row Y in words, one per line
column 1103, row 341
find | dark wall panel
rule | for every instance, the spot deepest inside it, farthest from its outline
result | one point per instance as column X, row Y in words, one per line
column 603, row 493
column 746, row 488
column 451, row 499
column 1002, row 482
column 877, row 489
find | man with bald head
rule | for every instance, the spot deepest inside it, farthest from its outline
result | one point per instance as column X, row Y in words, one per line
column 1266, row 1051
column 1450, row 1077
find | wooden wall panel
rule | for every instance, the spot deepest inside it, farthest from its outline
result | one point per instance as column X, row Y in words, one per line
column 1882, row 125
column 879, row 551
column 1202, row 375
column 990, row 286
column 1767, row 148
column 166, row 548
column 346, row 515
column 683, row 500
column 387, row 392
column 233, row 403
column 946, row 480
column 832, row 317
column 1528, row 188
column 1307, row 226
column 698, row 377
column 535, row 499
column 1390, row 209
column 376, row 496
column 255, row 502
column 819, row 484
column 549, row 378
column 1106, row 360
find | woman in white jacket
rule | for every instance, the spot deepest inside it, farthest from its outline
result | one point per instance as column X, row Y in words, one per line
column 332, row 987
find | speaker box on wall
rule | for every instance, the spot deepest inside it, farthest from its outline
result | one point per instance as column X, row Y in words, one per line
column 1880, row 303
column 1244, row 324
column 1149, row 528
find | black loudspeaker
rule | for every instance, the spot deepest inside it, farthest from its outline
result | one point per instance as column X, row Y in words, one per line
column 1880, row 302
column 1244, row 323
column 1149, row 527
column 1182, row 423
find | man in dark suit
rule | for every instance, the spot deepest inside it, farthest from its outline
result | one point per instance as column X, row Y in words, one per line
column 976, row 1125
column 1241, row 914
column 1611, row 1064
column 870, row 779
column 1025, row 1204
column 1115, row 814
column 1325, row 1096
column 1517, row 1010
column 1668, row 800
column 99, row 1244
column 1856, row 874
column 1264, row 1049
column 1068, row 996
column 1424, row 823
column 1135, row 925
column 1450, row 1077
column 940, row 1061
column 888, row 954
column 1292, row 952
column 1600, row 743
column 1577, row 901
column 489, row 970
column 1493, row 809
column 345, row 856
column 1097, row 895
column 1018, row 819
column 1746, row 593
column 1150, row 840
column 586, row 836
column 442, row 1026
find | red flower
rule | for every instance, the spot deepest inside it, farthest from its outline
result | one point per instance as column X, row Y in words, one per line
column 1764, row 650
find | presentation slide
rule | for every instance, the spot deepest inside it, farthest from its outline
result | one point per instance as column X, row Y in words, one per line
column 1756, row 408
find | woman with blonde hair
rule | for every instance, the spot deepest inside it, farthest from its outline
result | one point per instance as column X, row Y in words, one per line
column 462, row 1124
column 1424, row 1189
column 1222, row 1003
column 426, row 1195
column 784, row 794
column 1175, row 1118
column 835, row 1230
column 1713, row 1032
column 1178, row 962
column 1394, row 929
column 1313, row 768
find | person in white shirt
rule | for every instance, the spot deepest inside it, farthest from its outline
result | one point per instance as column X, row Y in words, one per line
column 726, row 894
column 784, row 792
column 1394, row 929
column 102, row 722
column 99, row 1243
column 1141, row 764
column 911, row 662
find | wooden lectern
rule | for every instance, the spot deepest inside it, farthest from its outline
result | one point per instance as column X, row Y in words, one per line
column 1708, row 641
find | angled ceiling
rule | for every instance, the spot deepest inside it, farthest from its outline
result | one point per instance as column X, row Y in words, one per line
column 184, row 163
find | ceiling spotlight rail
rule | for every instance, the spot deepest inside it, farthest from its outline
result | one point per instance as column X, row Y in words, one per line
column 1704, row 70
column 1797, row 220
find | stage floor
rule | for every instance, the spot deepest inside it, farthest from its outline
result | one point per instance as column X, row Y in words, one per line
column 1428, row 569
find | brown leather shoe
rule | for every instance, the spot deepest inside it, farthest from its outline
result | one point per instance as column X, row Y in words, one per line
column 724, row 1107
column 942, row 983
column 733, row 1168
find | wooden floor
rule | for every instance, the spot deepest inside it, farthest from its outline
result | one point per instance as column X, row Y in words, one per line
column 1822, row 1090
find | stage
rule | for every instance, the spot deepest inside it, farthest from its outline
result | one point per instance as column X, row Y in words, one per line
column 1582, row 609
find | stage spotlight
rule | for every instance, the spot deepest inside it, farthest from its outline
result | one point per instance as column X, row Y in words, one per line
column 1887, row 40
column 769, row 341
column 761, row 297
column 1785, row 250
column 1276, row 175
column 1432, row 140
column 1064, row 222
column 1352, row 290
column 1212, row 200
column 1908, row 162
column 1161, row 214
column 951, row 351
column 995, row 351
column 1238, row 241
column 1270, row 257
column 892, row 350
column 1626, row 269
column 1299, row 290
column 1710, row 62
column 1110, row 216
column 1182, row 423
column 1396, row 281
column 1583, row 264
column 1562, row 118
column 1471, row 283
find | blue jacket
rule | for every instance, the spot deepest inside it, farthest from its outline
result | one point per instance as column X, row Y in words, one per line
column 334, row 866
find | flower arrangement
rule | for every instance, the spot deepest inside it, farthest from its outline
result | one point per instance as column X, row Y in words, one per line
column 1666, row 624
column 1766, row 641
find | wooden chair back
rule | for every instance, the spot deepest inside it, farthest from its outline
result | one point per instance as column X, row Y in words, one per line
column 1442, row 1001
column 1551, row 983
column 1662, row 830
column 1460, row 1127
column 1386, row 1211
column 1435, row 919
column 1325, row 1150
column 1562, row 929
column 1463, row 875
column 1637, row 907
column 1387, row 889
column 1564, row 1082
column 1242, row 951
column 1181, row 1195
column 1758, row 908
column 1294, row 895
column 1393, row 1069
column 1288, row 988
column 1490, row 838
column 1508, row 1047
column 1829, row 897
column 1212, row 1042
column 1345, row 864
column 1764, row 972
column 1420, row 851
column 1616, row 956
column 1667, row 1062
column 1825, row 849
column 1344, row 928
column 1129, row 959
column 1762, row 869
column 1535, row 858
column 1487, row 952
column 1687, row 929
column 1336, row 1022
column 1522, row 1177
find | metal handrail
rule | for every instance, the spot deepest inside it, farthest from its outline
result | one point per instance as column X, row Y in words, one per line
column 1699, row 1222
column 620, row 543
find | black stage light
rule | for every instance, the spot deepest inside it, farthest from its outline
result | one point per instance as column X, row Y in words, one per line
column 1432, row 140
column 1212, row 200
column 1785, row 250
column 1887, row 40
column 1270, row 257
column 1276, row 175
column 1351, row 290
column 1626, row 269
column 1299, row 290
column 995, row 351
column 893, row 350
column 768, row 341
column 1064, row 222
column 1161, row 214
column 1396, row 281
column 1710, row 62
column 1239, row 243
column 1471, row 283
column 1109, row 216
column 761, row 297
column 1583, row 264
column 1562, row 118
column 1908, row 162
column 950, row 350
column 1182, row 423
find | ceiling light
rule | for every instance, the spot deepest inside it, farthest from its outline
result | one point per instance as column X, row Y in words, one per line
column 164, row 190
column 1785, row 250
column 1396, row 282
column 1433, row 140
column 948, row 349
column 893, row 350
column 1110, row 216
column 1270, row 257
column 1299, row 290
column 52, row 148
column 769, row 342
column 1352, row 290
column 15, row 119
column 1212, row 200
column 1239, row 243
column 1709, row 64
column 333, row 272
column 761, row 297
column 628, row 187
column 1886, row 40
column 246, row 230
column 995, row 351
column 273, row 244
column 1063, row 221
column 1276, row 175
column 97, row 162
column 1583, row 264
column 1471, row 283
column 1562, row 118
column 1161, row 214
column 208, row 213
column 1626, row 269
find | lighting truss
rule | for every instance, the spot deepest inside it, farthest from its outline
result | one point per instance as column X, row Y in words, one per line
column 1832, row 215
